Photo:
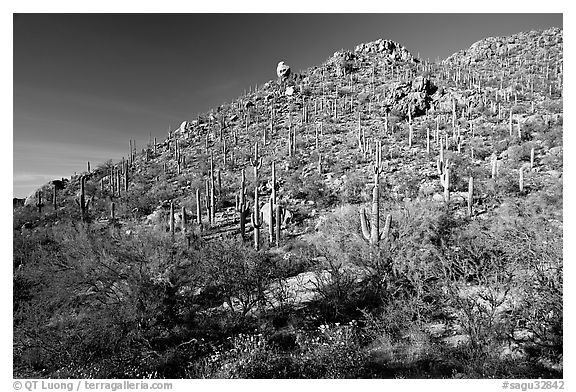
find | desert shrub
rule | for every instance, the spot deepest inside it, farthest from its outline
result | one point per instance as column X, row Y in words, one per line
column 299, row 257
column 141, row 199
column 310, row 187
column 336, row 288
column 238, row 272
column 552, row 137
column 481, row 151
column 98, row 302
column 407, row 184
column 552, row 106
column 553, row 162
column 517, row 153
column 353, row 189
column 339, row 231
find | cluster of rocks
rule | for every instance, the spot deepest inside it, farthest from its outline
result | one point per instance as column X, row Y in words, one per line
column 497, row 47
column 415, row 96
column 393, row 50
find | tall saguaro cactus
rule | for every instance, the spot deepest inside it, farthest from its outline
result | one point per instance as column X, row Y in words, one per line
column 371, row 228
column 171, row 218
column 207, row 198
column 198, row 208
column 256, row 162
column 212, row 187
column 274, row 184
column 39, row 203
column 445, row 182
column 256, row 220
column 271, row 222
column 470, row 196
column 126, row 178
column 242, row 205
column 54, row 202
column 82, row 202
column 278, row 224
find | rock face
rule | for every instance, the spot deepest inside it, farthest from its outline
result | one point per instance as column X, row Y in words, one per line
column 494, row 47
column 393, row 50
column 282, row 70
column 344, row 62
column 415, row 96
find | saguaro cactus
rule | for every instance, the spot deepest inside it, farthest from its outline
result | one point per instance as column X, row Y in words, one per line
column 82, row 202
column 39, row 203
column 278, row 224
column 470, row 195
column 171, row 218
column 291, row 141
column 445, row 182
column 510, row 122
column 371, row 228
column 271, row 222
column 119, row 179
column 54, row 203
column 256, row 220
column 242, row 206
column 274, row 184
column 207, row 200
column 360, row 135
column 224, row 152
column 126, row 178
column 256, row 162
column 212, row 187
column 494, row 162
column 184, row 221
column 198, row 208
column 440, row 163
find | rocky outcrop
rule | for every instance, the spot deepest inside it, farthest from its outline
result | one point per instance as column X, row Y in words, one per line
column 393, row 50
column 500, row 47
column 282, row 70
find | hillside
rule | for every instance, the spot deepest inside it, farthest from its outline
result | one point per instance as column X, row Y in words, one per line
column 451, row 266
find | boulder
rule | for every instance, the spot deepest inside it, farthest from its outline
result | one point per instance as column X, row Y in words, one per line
column 185, row 126
column 282, row 70
column 285, row 215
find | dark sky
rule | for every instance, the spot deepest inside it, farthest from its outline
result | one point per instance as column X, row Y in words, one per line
column 85, row 84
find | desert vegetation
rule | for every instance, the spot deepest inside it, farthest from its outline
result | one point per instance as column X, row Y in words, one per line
column 376, row 216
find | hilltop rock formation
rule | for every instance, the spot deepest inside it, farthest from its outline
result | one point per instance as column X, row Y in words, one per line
column 492, row 47
column 393, row 50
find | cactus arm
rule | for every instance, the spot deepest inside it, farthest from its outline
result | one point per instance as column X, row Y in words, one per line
column 365, row 225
